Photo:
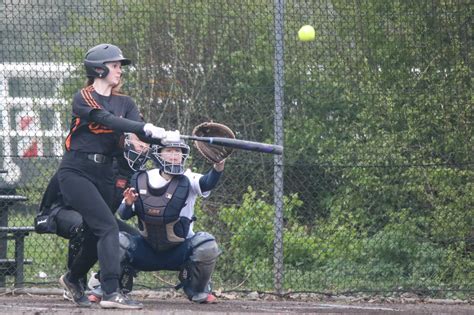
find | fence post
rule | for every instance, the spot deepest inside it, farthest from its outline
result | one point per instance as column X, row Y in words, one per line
column 278, row 159
column 4, row 222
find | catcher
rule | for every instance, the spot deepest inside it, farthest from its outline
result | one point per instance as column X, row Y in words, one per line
column 163, row 199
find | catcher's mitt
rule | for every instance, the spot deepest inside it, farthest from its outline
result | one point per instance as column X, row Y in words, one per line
column 213, row 153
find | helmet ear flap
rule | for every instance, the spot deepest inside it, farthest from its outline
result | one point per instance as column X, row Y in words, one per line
column 91, row 70
column 104, row 73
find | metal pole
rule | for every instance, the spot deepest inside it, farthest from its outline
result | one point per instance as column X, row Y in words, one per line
column 278, row 159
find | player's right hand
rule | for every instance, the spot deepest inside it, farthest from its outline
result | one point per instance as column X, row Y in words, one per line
column 154, row 131
column 130, row 196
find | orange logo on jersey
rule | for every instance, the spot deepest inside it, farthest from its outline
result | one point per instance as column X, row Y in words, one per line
column 98, row 129
column 121, row 183
column 154, row 212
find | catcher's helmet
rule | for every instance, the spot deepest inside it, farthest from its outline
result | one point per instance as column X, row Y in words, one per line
column 135, row 152
column 169, row 167
column 99, row 55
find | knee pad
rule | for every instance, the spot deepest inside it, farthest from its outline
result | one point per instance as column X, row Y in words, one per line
column 126, row 244
column 196, row 275
column 204, row 247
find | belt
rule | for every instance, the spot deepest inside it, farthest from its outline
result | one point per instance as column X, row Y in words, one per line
column 99, row 158
column 95, row 157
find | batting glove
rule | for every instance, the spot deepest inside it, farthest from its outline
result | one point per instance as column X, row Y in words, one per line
column 171, row 137
column 154, row 132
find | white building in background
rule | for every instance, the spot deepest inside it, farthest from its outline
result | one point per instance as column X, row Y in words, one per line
column 30, row 115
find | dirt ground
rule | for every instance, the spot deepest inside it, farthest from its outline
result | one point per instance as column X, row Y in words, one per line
column 170, row 303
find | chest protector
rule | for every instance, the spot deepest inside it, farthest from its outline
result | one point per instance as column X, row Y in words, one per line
column 158, row 211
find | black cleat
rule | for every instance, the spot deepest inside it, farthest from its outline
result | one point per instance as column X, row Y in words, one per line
column 119, row 300
column 75, row 290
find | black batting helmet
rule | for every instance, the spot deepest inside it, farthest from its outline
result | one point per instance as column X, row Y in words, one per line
column 97, row 56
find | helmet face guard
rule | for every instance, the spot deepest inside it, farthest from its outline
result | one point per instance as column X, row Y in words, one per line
column 98, row 56
column 136, row 152
column 166, row 166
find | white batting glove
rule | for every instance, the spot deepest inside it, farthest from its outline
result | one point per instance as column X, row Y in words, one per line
column 154, row 132
column 171, row 137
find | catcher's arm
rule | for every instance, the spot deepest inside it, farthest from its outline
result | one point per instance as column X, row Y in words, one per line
column 208, row 181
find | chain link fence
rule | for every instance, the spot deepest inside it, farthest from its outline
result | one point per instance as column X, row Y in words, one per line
column 375, row 190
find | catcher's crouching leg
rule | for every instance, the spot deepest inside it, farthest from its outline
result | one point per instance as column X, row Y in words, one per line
column 196, row 275
column 128, row 272
column 74, row 246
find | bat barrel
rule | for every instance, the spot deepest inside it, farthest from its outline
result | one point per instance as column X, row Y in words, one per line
column 278, row 149
column 239, row 144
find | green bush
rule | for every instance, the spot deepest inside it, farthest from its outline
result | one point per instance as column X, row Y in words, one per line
column 250, row 244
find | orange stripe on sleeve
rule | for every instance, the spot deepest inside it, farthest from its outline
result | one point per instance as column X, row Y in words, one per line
column 93, row 127
column 73, row 128
column 89, row 99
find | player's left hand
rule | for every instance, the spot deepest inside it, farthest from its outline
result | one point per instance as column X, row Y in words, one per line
column 154, row 131
column 171, row 137
column 219, row 166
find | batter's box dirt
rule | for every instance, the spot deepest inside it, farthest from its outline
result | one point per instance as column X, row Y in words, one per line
column 27, row 303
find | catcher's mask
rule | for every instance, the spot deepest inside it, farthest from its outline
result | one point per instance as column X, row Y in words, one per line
column 170, row 167
column 98, row 56
column 136, row 152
